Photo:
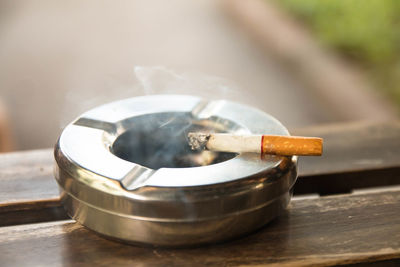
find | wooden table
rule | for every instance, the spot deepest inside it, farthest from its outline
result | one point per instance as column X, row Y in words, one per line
column 336, row 225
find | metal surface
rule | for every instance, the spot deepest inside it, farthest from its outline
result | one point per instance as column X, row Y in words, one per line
column 125, row 170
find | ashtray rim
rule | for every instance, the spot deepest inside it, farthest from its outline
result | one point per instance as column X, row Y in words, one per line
column 86, row 142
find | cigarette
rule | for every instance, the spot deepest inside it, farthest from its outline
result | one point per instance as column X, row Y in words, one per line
column 263, row 144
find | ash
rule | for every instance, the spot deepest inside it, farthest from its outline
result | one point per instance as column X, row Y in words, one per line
column 198, row 141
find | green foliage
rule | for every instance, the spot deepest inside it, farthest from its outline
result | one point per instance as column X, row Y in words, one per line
column 367, row 31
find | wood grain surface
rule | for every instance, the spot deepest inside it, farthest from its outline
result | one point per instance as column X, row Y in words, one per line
column 334, row 230
column 350, row 147
column 356, row 155
column 27, row 176
column 28, row 190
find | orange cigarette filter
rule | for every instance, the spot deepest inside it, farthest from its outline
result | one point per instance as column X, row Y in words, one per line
column 291, row 145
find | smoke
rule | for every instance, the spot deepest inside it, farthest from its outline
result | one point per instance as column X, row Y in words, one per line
column 162, row 80
column 148, row 80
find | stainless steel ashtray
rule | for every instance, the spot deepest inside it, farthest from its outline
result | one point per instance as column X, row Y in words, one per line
column 125, row 170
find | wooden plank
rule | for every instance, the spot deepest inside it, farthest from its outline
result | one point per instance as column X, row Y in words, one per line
column 31, row 212
column 356, row 155
column 27, row 176
column 351, row 147
column 28, row 191
column 334, row 230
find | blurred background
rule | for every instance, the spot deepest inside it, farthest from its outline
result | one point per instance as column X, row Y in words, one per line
column 305, row 62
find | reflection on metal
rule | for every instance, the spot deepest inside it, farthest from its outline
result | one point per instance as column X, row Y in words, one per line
column 125, row 170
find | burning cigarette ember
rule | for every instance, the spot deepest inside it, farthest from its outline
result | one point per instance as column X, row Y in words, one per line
column 263, row 144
